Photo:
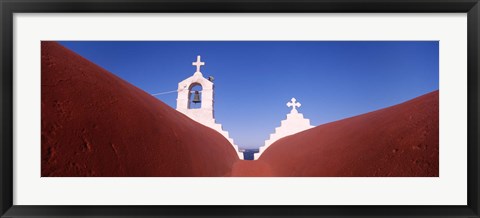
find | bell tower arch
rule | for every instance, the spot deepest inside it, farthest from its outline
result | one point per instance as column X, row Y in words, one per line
column 203, row 114
column 195, row 97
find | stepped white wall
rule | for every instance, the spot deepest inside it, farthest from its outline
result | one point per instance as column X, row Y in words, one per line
column 294, row 123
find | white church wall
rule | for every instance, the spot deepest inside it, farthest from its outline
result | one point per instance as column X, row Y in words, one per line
column 204, row 114
column 294, row 123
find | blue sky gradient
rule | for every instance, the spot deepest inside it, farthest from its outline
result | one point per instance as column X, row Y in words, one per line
column 255, row 79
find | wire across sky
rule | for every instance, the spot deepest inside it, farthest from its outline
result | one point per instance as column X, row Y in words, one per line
column 255, row 79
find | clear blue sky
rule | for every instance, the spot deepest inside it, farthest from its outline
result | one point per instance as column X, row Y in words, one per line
column 254, row 80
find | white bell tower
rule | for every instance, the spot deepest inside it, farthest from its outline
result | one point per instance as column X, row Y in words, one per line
column 203, row 114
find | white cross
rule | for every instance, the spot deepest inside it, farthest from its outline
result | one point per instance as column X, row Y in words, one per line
column 198, row 64
column 294, row 104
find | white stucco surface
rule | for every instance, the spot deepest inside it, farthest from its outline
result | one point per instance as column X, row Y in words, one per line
column 294, row 123
column 204, row 114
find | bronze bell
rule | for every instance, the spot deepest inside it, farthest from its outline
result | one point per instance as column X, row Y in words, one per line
column 196, row 97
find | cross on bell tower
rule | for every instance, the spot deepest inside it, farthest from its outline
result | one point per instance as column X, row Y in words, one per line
column 294, row 104
column 198, row 64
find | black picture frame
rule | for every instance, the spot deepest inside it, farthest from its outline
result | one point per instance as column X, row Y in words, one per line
column 9, row 7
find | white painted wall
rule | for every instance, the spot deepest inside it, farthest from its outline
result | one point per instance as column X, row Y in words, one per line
column 294, row 123
column 204, row 114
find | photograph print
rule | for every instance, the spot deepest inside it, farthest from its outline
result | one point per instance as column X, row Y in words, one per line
column 239, row 108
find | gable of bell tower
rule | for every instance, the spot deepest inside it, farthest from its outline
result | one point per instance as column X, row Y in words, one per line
column 204, row 113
